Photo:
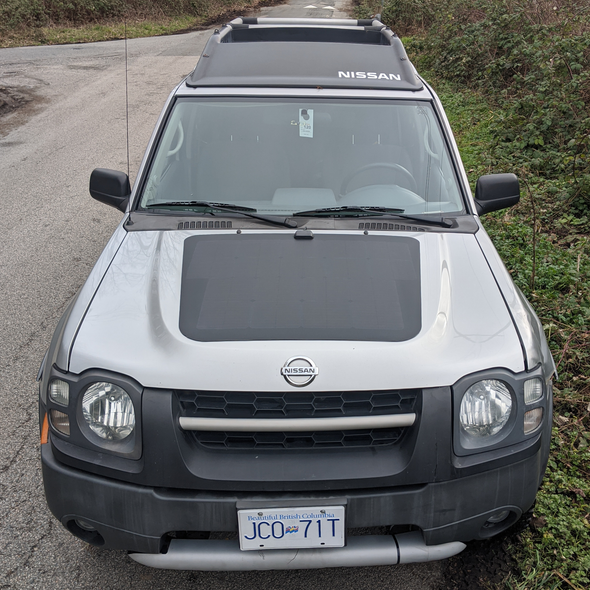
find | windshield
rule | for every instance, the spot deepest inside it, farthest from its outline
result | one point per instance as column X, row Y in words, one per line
column 284, row 157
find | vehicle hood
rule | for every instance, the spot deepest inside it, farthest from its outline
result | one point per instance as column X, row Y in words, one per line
column 224, row 311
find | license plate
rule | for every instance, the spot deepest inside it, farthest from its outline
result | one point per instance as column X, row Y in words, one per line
column 291, row 528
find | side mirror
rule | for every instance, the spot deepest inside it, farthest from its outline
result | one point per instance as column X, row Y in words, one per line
column 110, row 187
column 496, row 191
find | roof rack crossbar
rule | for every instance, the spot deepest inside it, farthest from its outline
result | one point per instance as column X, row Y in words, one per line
column 325, row 22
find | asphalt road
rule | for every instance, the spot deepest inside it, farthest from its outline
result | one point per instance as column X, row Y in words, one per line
column 71, row 119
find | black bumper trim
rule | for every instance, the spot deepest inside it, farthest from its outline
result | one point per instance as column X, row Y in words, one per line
column 134, row 517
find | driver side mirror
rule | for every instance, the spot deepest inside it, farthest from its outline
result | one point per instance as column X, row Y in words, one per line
column 496, row 191
column 110, row 187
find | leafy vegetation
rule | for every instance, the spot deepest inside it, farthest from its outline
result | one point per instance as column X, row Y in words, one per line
column 514, row 76
column 34, row 22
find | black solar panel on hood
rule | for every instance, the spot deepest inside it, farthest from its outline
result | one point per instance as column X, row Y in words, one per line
column 273, row 287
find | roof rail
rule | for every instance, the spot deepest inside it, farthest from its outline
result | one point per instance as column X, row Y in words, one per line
column 307, row 22
column 365, row 31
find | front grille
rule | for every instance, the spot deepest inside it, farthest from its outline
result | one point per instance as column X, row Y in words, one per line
column 299, row 440
column 238, row 404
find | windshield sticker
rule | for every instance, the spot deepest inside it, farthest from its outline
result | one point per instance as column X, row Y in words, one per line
column 305, row 122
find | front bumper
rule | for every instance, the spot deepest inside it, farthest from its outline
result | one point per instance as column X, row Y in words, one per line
column 138, row 518
column 370, row 550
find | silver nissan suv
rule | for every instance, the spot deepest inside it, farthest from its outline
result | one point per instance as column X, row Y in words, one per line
column 300, row 348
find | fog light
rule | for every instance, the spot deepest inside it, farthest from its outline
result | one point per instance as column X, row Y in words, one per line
column 59, row 392
column 498, row 517
column 533, row 390
column 60, row 421
column 532, row 420
column 80, row 529
column 84, row 525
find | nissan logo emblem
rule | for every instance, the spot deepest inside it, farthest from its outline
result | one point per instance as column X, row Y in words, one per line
column 299, row 371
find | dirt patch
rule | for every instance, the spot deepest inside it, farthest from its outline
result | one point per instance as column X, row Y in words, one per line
column 12, row 99
column 17, row 104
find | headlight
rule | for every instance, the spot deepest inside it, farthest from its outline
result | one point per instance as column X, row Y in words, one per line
column 108, row 411
column 485, row 408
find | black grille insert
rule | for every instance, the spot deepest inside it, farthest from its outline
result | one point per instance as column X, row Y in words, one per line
column 299, row 440
column 296, row 404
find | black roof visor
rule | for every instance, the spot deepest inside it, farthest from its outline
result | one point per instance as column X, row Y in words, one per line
column 296, row 54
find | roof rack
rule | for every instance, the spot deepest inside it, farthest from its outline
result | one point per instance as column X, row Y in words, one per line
column 313, row 52
column 307, row 22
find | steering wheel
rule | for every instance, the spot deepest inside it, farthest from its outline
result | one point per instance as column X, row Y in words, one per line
column 391, row 165
column 173, row 151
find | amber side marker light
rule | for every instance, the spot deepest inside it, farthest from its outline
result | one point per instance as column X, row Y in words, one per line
column 45, row 430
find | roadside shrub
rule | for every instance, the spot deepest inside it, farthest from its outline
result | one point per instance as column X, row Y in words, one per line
column 16, row 14
column 406, row 17
column 80, row 11
column 19, row 14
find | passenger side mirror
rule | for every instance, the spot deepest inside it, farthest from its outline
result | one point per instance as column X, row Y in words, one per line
column 496, row 191
column 110, row 187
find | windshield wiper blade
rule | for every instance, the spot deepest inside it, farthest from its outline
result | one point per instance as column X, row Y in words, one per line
column 203, row 204
column 440, row 221
column 225, row 207
column 347, row 210
column 354, row 211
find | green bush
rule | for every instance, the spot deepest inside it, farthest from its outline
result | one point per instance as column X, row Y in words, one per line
column 539, row 74
column 19, row 14
column 405, row 17
column 34, row 13
column 81, row 11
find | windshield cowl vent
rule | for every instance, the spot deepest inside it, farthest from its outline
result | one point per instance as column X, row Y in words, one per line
column 205, row 225
column 380, row 226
